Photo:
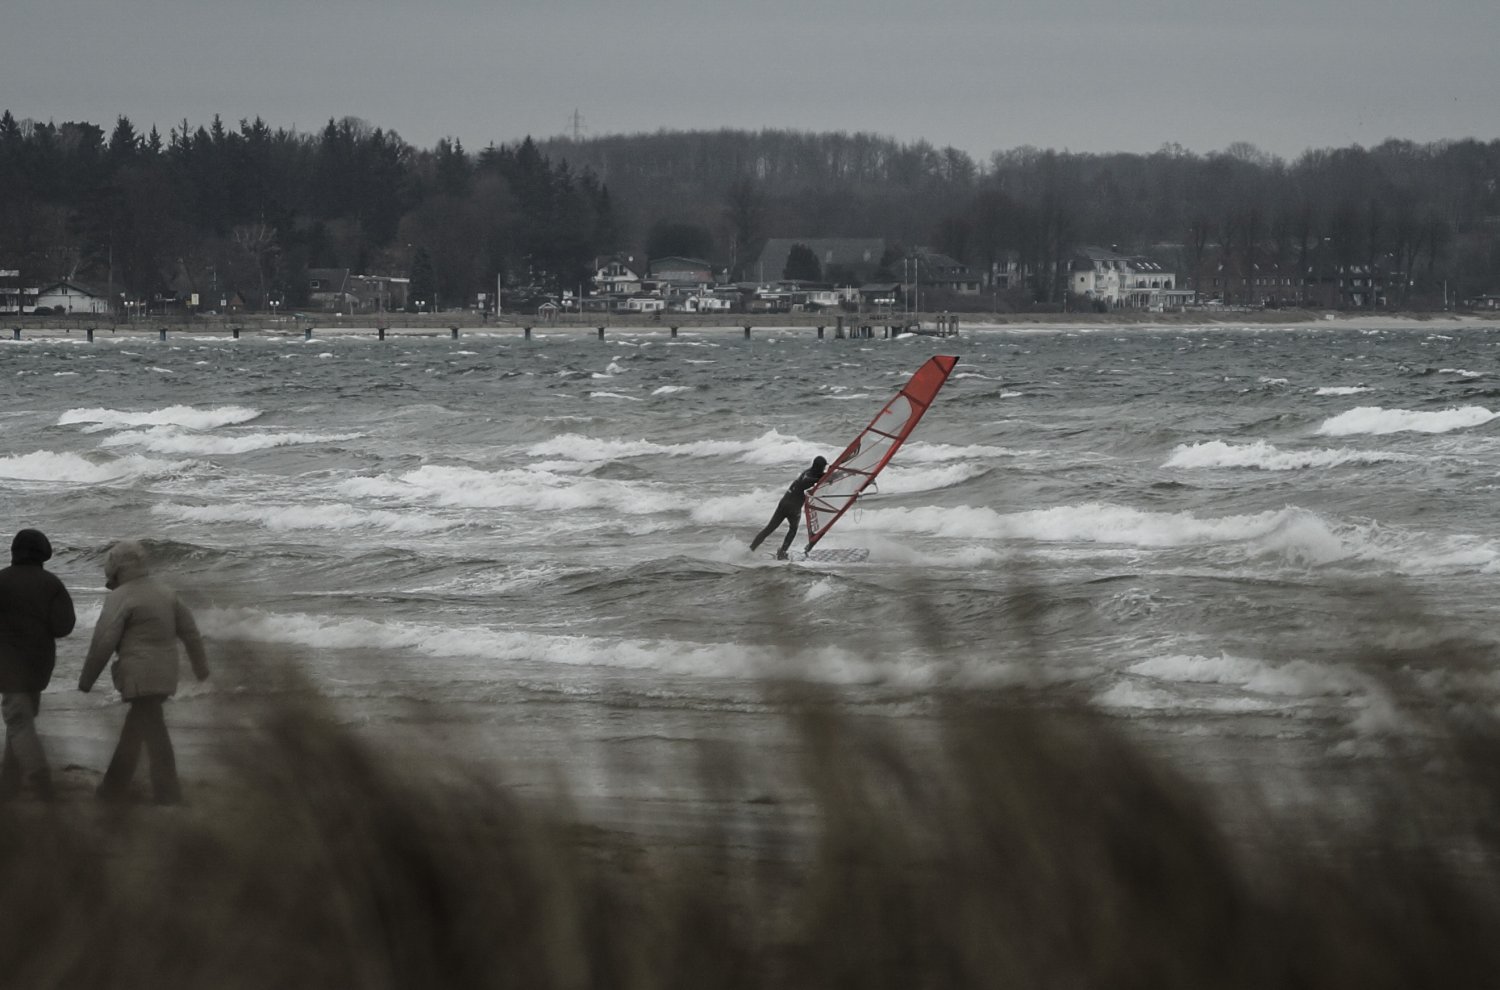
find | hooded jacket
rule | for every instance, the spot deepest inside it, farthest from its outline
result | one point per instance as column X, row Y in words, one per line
column 797, row 491
column 141, row 620
column 35, row 611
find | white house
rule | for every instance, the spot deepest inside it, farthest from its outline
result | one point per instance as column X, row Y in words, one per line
column 68, row 296
column 616, row 279
column 1121, row 280
column 643, row 304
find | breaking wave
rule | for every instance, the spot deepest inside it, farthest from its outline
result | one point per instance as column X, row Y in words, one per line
column 1377, row 421
column 1265, row 457
column 186, row 416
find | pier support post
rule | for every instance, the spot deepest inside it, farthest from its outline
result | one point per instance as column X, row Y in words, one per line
column 455, row 332
column 747, row 333
column 90, row 334
column 307, row 334
column 160, row 334
column 820, row 333
column 527, row 332
column 838, row 329
column 235, row 332
column 380, row 333
column 601, row 333
column 15, row 333
column 674, row 331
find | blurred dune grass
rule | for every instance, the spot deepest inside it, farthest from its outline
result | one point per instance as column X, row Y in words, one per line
column 1024, row 844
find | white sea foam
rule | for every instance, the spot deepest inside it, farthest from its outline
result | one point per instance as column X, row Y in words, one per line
column 1132, row 696
column 1297, row 535
column 1461, row 372
column 1089, row 522
column 1265, row 457
column 573, row 446
column 895, row 481
column 1292, row 679
column 1378, row 421
column 173, row 440
column 1341, row 390
column 541, row 490
column 769, row 448
column 66, row 468
column 292, row 518
column 188, row 416
column 613, row 395
column 486, row 646
column 671, row 389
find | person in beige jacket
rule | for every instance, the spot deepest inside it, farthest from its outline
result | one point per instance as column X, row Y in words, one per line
column 141, row 620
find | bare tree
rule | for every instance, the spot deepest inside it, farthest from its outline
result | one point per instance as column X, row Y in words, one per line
column 256, row 241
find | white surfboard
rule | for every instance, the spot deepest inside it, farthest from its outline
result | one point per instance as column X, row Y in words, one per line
column 829, row 555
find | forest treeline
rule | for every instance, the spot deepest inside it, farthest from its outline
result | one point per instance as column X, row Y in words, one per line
column 251, row 208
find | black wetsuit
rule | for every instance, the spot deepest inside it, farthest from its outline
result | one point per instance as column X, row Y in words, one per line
column 788, row 509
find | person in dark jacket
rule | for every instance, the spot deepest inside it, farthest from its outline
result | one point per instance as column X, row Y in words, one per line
column 35, row 611
column 140, row 624
column 790, row 507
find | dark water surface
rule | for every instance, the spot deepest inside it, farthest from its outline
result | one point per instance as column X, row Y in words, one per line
column 537, row 550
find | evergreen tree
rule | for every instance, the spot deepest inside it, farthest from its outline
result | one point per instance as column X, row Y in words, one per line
column 802, row 265
column 423, row 287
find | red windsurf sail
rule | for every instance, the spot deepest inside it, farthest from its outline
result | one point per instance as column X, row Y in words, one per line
column 851, row 473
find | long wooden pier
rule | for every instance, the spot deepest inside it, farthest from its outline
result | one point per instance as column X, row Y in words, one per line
column 309, row 327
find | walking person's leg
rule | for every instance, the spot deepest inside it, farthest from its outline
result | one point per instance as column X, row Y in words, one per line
column 23, row 747
column 165, row 788
column 116, row 782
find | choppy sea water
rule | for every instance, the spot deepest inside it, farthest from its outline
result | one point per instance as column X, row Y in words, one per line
column 542, row 544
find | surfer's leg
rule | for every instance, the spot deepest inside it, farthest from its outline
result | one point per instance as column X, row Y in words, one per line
column 776, row 518
column 770, row 528
column 791, row 533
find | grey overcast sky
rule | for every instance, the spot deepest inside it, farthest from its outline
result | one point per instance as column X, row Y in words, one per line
column 982, row 75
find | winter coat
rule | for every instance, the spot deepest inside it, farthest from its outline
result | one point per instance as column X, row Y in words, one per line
column 35, row 611
column 141, row 620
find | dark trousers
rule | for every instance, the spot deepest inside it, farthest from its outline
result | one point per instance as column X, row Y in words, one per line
column 787, row 510
column 145, row 724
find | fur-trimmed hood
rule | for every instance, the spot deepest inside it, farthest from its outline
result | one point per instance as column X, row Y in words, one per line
column 125, row 561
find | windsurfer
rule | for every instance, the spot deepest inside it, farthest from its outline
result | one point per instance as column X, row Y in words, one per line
column 790, row 506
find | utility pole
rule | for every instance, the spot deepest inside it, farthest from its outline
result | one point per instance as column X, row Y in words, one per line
column 577, row 123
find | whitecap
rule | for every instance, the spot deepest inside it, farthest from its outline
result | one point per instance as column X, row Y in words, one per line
column 291, row 518
column 67, row 468
column 1379, row 421
column 540, row 490
column 1265, row 457
column 172, row 440
column 188, row 416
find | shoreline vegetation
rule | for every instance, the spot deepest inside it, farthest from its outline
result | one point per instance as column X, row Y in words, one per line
column 1022, row 839
column 266, row 217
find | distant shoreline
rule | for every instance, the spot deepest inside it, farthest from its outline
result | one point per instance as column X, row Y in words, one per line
column 312, row 326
